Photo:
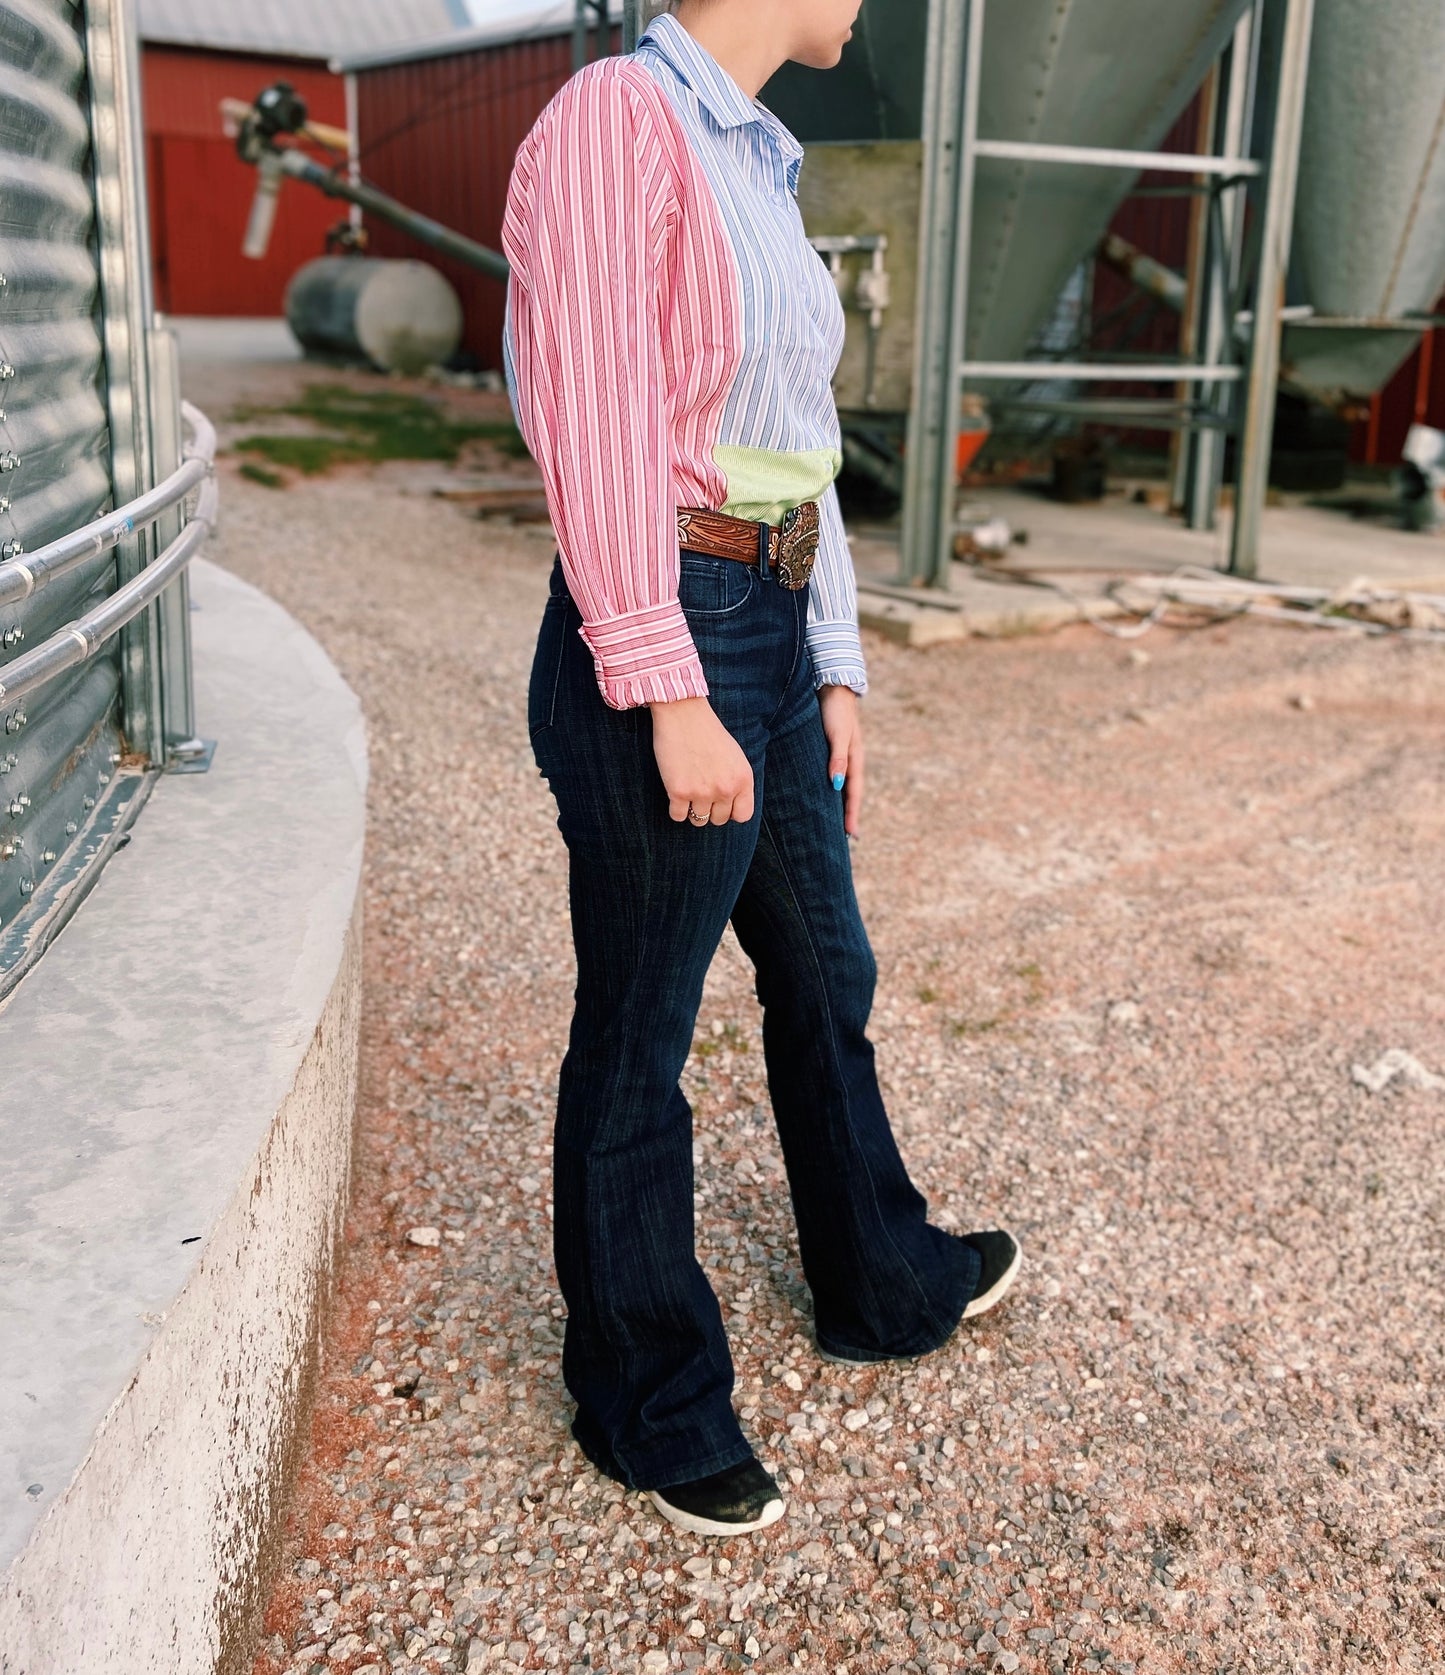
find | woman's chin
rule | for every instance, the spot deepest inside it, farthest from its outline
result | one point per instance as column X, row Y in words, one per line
column 826, row 59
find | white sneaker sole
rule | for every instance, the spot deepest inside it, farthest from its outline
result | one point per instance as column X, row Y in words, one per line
column 695, row 1525
column 843, row 1361
column 986, row 1299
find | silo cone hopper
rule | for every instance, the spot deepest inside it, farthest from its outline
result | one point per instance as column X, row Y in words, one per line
column 1369, row 231
column 1105, row 73
column 1115, row 74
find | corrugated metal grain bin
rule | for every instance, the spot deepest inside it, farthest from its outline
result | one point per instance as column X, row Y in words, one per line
column 90, row 420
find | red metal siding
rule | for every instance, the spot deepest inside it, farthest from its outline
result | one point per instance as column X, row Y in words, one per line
column 440, row 135
column 1415, row 395
column 200, row 191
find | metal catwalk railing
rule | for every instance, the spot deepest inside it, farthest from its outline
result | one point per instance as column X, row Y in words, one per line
column 83, row 637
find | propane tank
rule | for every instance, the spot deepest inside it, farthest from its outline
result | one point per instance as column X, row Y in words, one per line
column 402, row 316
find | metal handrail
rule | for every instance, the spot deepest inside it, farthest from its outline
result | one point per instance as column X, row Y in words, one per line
column 80, row 640
column 22, row 576
column 1116, row 372
column 1109, row 157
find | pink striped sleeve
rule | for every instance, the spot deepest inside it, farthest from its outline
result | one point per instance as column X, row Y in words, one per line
column 586, row 214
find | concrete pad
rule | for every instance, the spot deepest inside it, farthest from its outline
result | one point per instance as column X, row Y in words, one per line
column 176, row 1124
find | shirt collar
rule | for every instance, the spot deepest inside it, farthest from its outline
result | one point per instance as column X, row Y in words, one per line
column 716, row 90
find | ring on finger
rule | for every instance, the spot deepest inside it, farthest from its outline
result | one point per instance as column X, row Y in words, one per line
column 696, row 818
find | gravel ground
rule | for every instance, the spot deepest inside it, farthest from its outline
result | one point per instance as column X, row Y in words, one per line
column 1140, row 913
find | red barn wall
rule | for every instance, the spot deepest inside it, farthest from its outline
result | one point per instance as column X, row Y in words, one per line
column 440, row 134
column 200, row 190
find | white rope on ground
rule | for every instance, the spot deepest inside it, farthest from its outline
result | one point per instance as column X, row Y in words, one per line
column 1409, row 613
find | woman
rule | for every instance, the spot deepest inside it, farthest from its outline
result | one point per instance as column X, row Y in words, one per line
column 671, row 339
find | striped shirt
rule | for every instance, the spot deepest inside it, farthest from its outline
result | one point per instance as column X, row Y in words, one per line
column 671, row 341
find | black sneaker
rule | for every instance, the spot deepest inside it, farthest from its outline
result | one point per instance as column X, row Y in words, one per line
column 730, row 1502
column 1001, row 1258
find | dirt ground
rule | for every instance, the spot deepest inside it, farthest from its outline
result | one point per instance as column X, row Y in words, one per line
column 1147, row 915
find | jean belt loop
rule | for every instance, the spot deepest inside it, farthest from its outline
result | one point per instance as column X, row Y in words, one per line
column 765, row 535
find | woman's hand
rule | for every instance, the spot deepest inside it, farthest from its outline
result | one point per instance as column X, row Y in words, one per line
column 701, row 763
column 843, row 728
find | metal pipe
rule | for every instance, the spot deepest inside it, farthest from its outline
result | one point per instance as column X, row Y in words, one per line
column 127, row 307
column 636, row 15
column 1145, row 271
column 1171, row 162
column 1196, row 267
column 301, row 167
column 945, row 240
column 1204, row 464
column 168, row 448
column 1257, row 432
column 20, row 577
column 80, row 640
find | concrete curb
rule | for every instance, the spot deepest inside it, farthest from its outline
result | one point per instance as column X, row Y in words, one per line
column 170, row 1229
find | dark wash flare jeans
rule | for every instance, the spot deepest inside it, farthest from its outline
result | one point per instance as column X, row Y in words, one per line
column 645, row 1355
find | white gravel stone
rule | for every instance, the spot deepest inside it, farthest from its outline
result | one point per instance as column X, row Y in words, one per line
column 1199, row 1169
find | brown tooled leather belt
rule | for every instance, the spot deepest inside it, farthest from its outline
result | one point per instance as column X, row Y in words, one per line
column 790, row 547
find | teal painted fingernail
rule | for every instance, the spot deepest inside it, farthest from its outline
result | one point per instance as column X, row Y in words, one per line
column 837, row 782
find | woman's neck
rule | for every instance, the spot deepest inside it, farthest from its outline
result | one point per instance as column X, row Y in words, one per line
column 744, row 41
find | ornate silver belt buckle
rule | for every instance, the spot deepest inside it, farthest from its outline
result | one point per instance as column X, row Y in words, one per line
column 797, row 545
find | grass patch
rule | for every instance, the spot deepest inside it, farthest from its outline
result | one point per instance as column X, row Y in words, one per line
column 368, row 426
column 262, row 474
column 961, row 1027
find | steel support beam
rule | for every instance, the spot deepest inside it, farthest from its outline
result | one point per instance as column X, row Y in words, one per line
column 1104, row 372
column 1169, row 162
column 1293, row 20
column 127, row 309
column 1221, row 262
column 591, row 18
column 950, row 133
column 636, row 15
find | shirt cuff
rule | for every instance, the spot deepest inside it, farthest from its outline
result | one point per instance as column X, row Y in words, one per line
column 837, row 654
column 645, row 657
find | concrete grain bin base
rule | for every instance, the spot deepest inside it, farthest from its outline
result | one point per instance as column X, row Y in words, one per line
column 177, row 1126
